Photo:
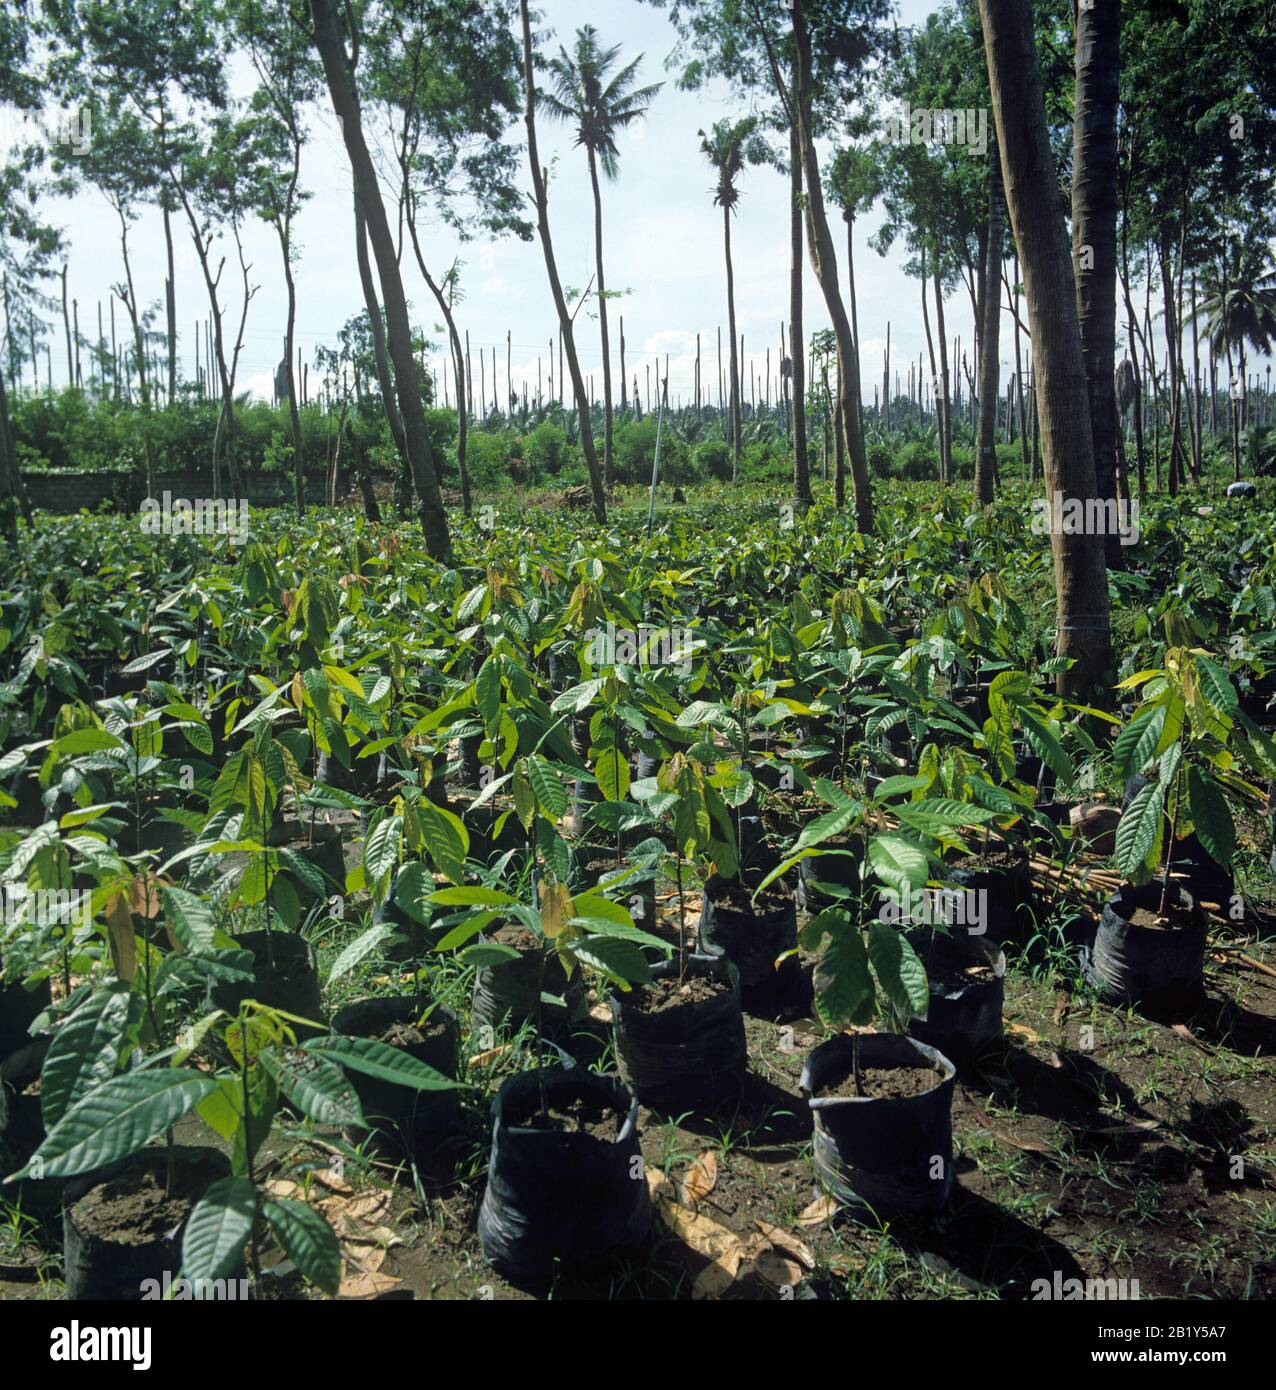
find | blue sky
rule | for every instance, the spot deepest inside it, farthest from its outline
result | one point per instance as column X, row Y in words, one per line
column 663, row 240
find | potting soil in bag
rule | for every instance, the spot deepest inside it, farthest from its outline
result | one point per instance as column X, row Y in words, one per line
column 561, row 1199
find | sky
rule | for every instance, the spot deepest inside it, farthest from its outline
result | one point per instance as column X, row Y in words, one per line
column 663, row 244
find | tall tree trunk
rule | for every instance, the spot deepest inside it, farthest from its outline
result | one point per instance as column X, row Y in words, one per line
column 934, row 373
column 290, row 375
column 855, row 318
column 824, row 263
column 66, row 325
column 566, row 336
column 608, row 464
column 801, row 464
column 170, row 304
column 990, row 337
column 1019, row 391
column 1027, row 167
column 458, row 367
column 1094, row 199
column 944, row 406
column 376, row 328
column 345, row 102
column 735, row 361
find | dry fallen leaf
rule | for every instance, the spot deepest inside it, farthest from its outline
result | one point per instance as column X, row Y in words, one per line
column 782, row 1240
column 1023, row 1031
column 821, row 1210
column 367, row 1285
column 657, row 1180
column 778, row 1270
column 1185, row 1032
column 601, row 1013
column 715, row 1279
column 700, row 1178
column 327, row 1178
column 1031, row 1146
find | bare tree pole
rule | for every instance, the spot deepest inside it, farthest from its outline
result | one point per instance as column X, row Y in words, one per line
column 566, row 336
column 338, row 66
column 1027, row 166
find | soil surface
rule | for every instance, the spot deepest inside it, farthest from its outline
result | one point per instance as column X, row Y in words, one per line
column 886, row 1083
column 667, row 993
column 581, row 1116
column 132, row 1209
column 409, row 1034
column 736, row 898
column 1153, row 921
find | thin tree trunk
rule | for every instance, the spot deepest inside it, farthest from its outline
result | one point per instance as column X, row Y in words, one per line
column 567, row 337
column 170, row 304
column 1094, row 197
column 990, row 338
column 345, row 101
column 824, row 263
column 608, row 463
column 376, row 328
column 797, row 380
column 735, row 361
column 1032, row 199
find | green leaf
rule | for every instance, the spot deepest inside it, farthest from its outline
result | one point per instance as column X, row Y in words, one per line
column 844, row 992
column 612, row 773
column 117, row 1118
column 899, row 972
column 80, row 741
column 550, row 792
column 826, row 826
column 311, row 1243
column 1046, row 746
column 487, row 692
column 898, row 863
column 359, row 949
column 381, row 850
column 620, row 960
column 446, row 840
column 380, row 1060
column 1211, row 816
column 218, row 1229
column 1138, row 833
column 318, row 1087
column 189, row 918
column 466, row 897
column 85, row 1051
column 1135, row 745
column 1216, row 685
column 936, row 814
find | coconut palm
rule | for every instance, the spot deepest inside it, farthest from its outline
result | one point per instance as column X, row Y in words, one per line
column 728, row 147
column 1239, row 306
column 590, row 94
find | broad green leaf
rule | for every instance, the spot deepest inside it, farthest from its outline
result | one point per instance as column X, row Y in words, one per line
column 380, row 1060
column 84, row 1052
column 897, row 863
column 311, row 1243
column 844, row 992
column 1139, row 831
column 1211, row 816
column 117, row 1118
column 218, row 1229
column 899, row 972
